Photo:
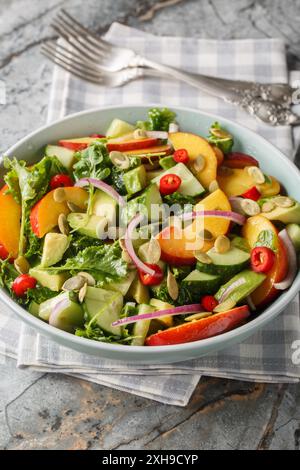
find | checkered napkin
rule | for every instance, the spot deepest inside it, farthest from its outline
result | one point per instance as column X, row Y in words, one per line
column 267, row 355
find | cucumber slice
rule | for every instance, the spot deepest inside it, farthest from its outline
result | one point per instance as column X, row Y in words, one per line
column 294, row 234
column 200, row 283
column 148, row 203
column 64, row 155
column 226, row 264
column 34, row 308
column 167, row 162
column 118, row 127
column 190, row 186
column 104, row 307
column 135, row 180
column 251, row 281
column 141, row 328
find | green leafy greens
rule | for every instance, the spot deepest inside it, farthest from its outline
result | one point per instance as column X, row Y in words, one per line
column 220, row 137
column 159, row 119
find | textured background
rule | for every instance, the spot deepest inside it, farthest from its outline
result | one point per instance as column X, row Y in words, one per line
column 56, row 412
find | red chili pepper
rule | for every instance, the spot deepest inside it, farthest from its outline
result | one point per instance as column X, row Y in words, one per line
column 149, row 280
column 181, row 156
column 252, row 193
column 61, row 181
column 262, row 259
column 22, row 283
column 97, row 136
column 208, row 302
column 169, row 184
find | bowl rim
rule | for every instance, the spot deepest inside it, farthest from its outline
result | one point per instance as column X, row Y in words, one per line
column 215, row 342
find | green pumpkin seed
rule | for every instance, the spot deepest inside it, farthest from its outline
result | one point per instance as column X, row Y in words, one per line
column 256, row 174
column 222, row 244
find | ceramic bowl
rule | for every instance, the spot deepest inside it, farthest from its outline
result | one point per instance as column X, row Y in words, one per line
column 84, row 123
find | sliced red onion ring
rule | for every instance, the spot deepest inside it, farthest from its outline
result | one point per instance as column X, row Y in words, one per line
column 229, row 289
column 292, row 260
column 233, row 216
column 193, row 308
column 106, row 188
column 53, row 319
column 157, row 134
column 135, row 221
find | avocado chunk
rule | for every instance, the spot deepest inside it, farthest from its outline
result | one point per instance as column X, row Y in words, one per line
column 189, row 186
column 247, row 281
column 135, row 180
column 199, row 283
column 52, row 281
column 46, row 307
column 166, row 321
column 294, row 232
column 104, row 307
column 148, row 203
column 55, row 245
column 64, row 155
column 90, row 225
column 226, row 264
column 118, row 127
column 34, row 308
column 141, row 328
column 67, row 315
column 123, row 285
column 286, row 215
column 167, row 162
column 105, row 206
column 138, row 292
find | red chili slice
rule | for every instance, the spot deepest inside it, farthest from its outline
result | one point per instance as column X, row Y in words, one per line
column 22, row 283
column 252, row 193
column 181, row 156
column 61, row 181
column 149, row 280
column 262, row 259
column 169, row 184
column 208, row 302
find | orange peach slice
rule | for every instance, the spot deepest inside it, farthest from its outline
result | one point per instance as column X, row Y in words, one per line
column 10, row 216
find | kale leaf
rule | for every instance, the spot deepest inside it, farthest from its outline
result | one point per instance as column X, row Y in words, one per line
column 159, row 119
column 220, row 137
column 93, row 162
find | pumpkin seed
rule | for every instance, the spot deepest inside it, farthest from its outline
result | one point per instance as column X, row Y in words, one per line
column 283, row 201
column 199, row 163
column 150, row 252
column 82, row 293
column 101, row 228
column 73, row 207
column 63, row 224
column 236, row 205
column 220, row 133
column 224, row 306
column 88, row 278
column 119, row 160
column 21, row 264
column 213, row 186
column 267, row 206
column 205, row 235
column 256, row 174
column 139, row 134
column 250, row 207
column 222, row 244
column 198, row 316
column 202, row 257
column 59, row 195
column 172, row 285
column 74, row 283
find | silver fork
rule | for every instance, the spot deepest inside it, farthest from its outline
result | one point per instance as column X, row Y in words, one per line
column 258, row 99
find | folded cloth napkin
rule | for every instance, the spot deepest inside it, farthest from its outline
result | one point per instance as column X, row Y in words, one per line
column 266, row 356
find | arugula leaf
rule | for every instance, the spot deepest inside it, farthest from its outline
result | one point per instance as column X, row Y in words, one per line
column 39, row 294
column 93, row 162
column 28, row 185
column 34, row 244
column 220, row 137
column 266, row 238
column 104, row 263
column 93, row 331
column 178, row 198
column 159, row 119
column 79, row 242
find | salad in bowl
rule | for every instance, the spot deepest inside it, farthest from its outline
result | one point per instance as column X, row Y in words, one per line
column 147, row 235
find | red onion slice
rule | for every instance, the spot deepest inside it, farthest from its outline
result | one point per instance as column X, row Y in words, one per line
column 53, row 319
column 233, row 216
column 157, row 134
column 292, row 260
column 106, row 188
column 193, row 308
column 229, row 289
column 135, row 221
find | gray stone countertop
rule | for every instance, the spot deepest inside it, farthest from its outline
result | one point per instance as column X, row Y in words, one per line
column 57, row 412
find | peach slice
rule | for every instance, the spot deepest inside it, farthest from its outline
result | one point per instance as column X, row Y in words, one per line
column 10, row 216
column 77, row 144
column 133, row 144
column 195, row 146
column 44, row 215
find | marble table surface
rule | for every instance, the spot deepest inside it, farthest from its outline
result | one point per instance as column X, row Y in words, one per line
column 56, row 412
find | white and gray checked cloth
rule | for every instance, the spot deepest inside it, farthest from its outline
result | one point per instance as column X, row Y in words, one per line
column 267, row 355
